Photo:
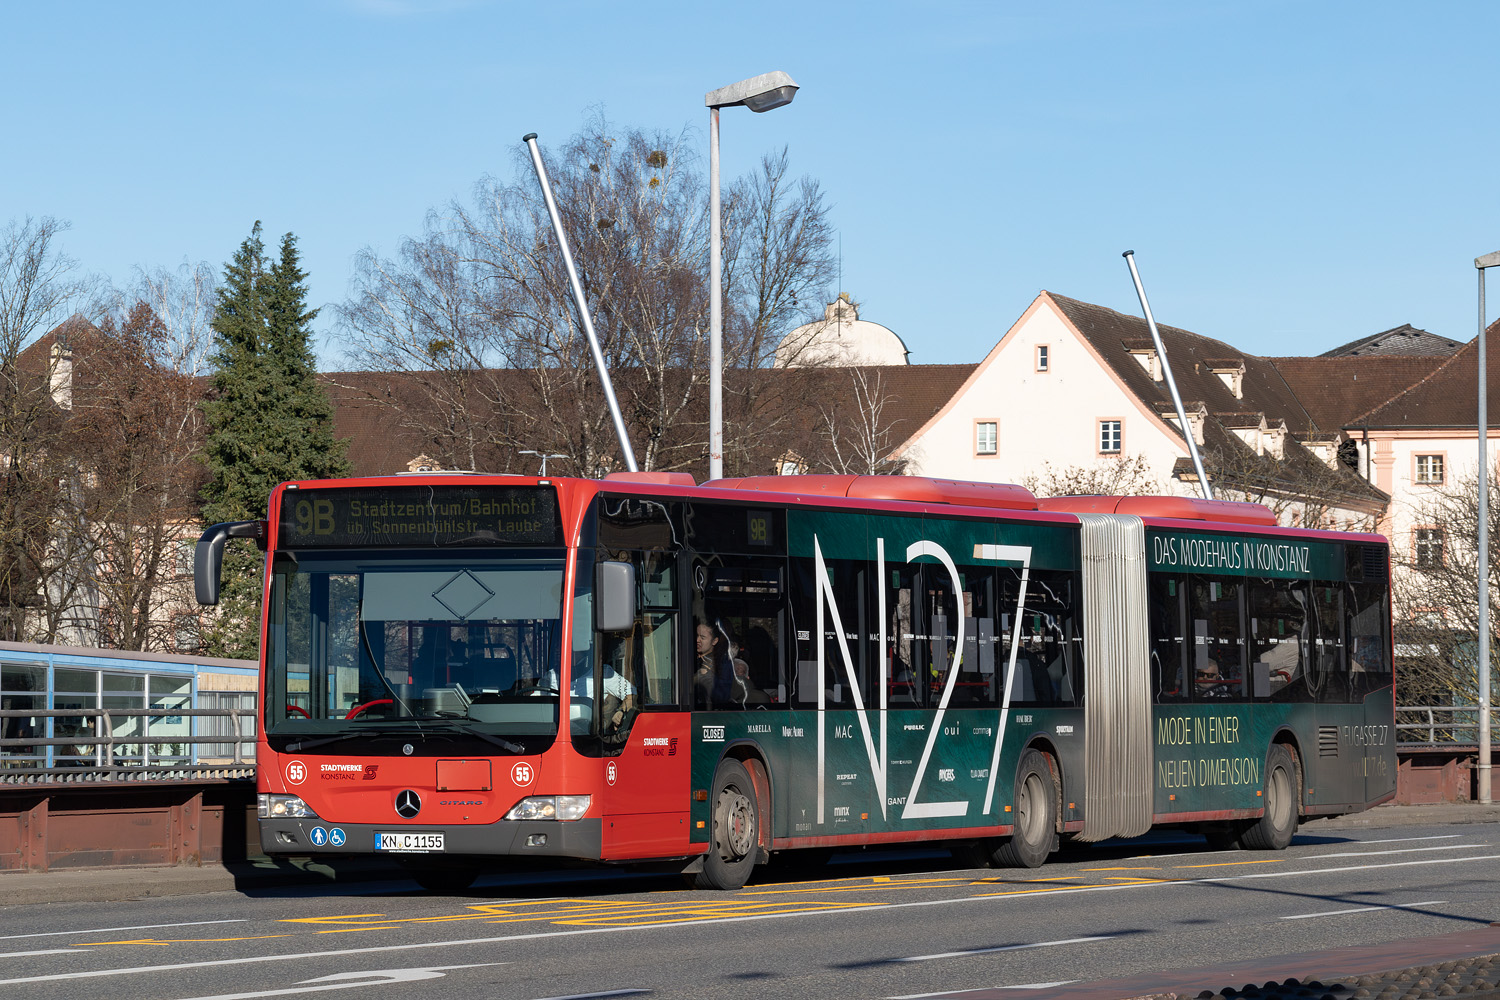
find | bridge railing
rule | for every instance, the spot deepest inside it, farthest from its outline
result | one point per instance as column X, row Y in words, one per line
column 92, row 744
column 1442, row 724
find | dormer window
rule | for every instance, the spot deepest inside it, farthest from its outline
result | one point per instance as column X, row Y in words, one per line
column 1231, row 372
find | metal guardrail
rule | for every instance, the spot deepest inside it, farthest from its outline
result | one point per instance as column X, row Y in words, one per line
column 89, row 747
column 1441, row 724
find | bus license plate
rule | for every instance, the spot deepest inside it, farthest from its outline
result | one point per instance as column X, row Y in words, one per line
column 409, row 843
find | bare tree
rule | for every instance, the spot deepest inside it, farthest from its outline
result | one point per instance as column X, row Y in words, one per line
column 479, row 317
column 855, row 432
column 1123, row 476
column 1435, row 592
column 135, row 432
column 38, row 291
column 1300, row 488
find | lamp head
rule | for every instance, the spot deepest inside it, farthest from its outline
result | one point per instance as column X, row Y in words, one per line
column 1488, row 260
column 759, row 93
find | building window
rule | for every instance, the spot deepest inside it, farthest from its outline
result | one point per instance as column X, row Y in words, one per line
column 1429, row 548
column 1109, row 437
column 1043, row 357
column 986, row 437
column 1430, row 469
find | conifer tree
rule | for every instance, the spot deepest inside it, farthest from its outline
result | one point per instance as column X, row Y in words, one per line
column 269, row 420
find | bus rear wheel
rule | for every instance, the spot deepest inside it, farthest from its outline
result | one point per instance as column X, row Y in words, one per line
column 1035, row 834
column 1273, row 831
column 734, row 835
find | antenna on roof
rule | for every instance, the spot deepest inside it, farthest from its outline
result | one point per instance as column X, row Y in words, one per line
column 583, row 309
column 1161, row 351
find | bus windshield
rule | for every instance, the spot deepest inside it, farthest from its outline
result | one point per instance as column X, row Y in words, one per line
column 368, row 641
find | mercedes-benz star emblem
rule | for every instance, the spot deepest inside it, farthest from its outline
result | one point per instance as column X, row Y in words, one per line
column 408, row 804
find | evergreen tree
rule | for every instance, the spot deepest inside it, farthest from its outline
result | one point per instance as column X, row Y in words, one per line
column 269, row 420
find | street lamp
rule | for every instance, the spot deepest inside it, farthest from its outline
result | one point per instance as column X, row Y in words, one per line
column 759, row 93
column 543, row 456
column 1481, row 263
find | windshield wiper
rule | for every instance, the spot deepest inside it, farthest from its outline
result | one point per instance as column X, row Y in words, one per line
column 451, row 719
column 302, row 745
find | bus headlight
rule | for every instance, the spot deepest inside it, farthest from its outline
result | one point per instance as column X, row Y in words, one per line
column 561, row 807
column 282, row 807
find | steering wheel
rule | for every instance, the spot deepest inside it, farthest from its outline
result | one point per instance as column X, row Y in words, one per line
column 357, row 709
column 299, row 710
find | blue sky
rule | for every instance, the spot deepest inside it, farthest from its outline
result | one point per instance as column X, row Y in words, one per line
column 1291, row 175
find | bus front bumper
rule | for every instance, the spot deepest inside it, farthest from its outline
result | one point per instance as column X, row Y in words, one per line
column 518, row 838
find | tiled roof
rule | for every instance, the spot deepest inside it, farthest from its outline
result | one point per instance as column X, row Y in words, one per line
column 1335, row 391
column 1192, row 357
column 382, row 414
column 1404, row 340
column 1447, row 397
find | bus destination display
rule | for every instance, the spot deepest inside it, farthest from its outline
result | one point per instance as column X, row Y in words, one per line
column 419, row 515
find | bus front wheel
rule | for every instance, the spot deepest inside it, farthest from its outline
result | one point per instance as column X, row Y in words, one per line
column 1273, row 831
column 1035, row 834
column 734, row 837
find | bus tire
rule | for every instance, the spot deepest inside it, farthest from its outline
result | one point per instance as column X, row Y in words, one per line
column 1035, row 833
column 734, row 830
column 1273, row 831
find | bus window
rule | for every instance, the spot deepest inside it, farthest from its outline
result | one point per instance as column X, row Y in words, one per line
column 903, row 687
column 1280, row 639
column 843, row 629
column 1331, row 663
column 1218, row 650
column 977, row 680
column 737, row 614
column 1048, row 663
column 1364, row 607
column 1168, row 643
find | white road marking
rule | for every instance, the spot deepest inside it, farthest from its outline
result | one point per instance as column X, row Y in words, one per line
column 871, row 908
column 591, row 996
column 1411, row 840
column 1365, row 909
column 48, row 951
column 1399, row 850
column 378, row 977
column 982, row 989
column 1007, row 947
column 106, row 930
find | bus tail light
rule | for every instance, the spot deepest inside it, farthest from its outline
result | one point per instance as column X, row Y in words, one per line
column 282, row 807
column 560, row 807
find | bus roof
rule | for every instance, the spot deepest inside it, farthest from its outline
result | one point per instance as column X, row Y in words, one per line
column 1176, row 508
column 911, row 489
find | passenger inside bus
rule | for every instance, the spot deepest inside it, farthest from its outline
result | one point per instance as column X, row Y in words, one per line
column 714, row 678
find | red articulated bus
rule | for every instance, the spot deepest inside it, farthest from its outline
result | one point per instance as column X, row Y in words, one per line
column 639, row 669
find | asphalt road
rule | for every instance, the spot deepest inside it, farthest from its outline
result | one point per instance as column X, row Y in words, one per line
column 888, row 925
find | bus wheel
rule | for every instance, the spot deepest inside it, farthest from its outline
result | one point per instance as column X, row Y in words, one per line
column 734, row 840
column 1273, row 831
column 1035, row 833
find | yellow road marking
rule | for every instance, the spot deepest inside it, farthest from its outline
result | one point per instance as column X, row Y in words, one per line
column 164, row 943
column 1119, row 869
column 1230, row 864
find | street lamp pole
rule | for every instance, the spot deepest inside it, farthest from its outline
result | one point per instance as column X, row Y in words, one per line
column 1482, row 426
column 759, row 94
column 542, row 455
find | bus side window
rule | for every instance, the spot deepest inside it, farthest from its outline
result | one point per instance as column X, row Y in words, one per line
column 1280, row 639
column 843, row 628
column 1169, row 647
column 1218, row 639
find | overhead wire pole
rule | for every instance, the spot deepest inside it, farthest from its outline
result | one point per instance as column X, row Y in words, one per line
column 1482, row 427
column 583, row 308
column 1161, row 352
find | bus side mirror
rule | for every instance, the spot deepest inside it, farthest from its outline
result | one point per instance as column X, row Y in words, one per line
column 614, row 597
column 208, row 557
